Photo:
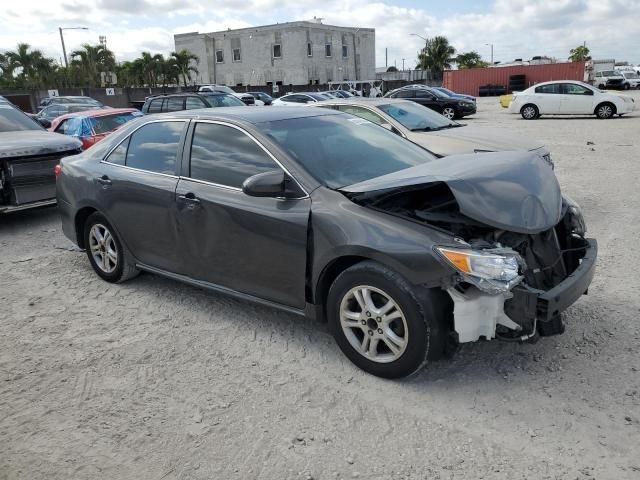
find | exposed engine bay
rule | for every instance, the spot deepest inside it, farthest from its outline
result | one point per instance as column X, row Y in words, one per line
column 503, row 276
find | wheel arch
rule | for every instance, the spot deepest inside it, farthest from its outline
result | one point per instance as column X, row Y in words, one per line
column 79, row 222
column 327, row 276
column 606, row 102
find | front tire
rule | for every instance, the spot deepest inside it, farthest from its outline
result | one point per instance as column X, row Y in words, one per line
column 605, row 110
column 105, row 251
column 381, row 323
column 529, row 112
column 449, row 112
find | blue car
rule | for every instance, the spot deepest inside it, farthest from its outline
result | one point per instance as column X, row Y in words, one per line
column 451, row 94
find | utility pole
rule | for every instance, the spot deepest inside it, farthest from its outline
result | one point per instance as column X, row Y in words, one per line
column 355, row 58
column 386, row 58
column 403, row 64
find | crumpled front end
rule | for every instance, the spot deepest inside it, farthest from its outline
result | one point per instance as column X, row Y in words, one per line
column 525, row 282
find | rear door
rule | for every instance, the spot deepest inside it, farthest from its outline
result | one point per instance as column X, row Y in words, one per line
column 548, row 98
column 137, row 183
column 253, row 245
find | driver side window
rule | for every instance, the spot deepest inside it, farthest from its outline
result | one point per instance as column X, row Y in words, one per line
column 226, row 156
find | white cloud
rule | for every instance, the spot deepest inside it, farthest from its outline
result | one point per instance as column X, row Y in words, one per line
column 516, row 28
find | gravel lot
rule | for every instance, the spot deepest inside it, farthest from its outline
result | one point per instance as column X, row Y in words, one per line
column 152, row 379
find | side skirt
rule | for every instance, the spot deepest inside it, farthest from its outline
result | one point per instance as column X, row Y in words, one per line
column 221, row 289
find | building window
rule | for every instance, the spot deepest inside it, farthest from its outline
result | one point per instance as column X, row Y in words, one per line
column 309, row 50
column 219, row 56
column 345, row 51
column 327, row 50
column 236, row 54
column 277, row 51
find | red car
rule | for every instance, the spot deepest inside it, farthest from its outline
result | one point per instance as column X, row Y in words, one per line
column 91, row 126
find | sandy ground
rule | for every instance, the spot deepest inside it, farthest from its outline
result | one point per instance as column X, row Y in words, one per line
column 152, row 379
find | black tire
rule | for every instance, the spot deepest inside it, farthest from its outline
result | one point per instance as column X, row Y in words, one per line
column 426, row 313
column 123, row 269
column 605, row 110
column 450, row 112
column 602, row 86
column 626, row 86
column 529, row 111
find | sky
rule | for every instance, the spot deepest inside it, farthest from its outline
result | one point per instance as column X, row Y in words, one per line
column 516, row 28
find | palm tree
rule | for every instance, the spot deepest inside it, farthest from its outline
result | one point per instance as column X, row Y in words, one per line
column 151, row 66
column 32, row 66
column 91, row 60
column 182, row 63
column 436, row 56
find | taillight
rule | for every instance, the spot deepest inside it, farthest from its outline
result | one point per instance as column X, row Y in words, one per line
column 57, row 170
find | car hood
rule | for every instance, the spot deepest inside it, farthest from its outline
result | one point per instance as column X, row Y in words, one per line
column 35, row 142
column 514, row 191
column 472, row 139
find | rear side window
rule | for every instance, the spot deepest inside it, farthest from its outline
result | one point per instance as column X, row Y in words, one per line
column 194, row 103
column 175, row 104
column 551, row 88
column 226, row 156
column 156, row 105
column 404, row 94
column 119, row 155
column 154, row 147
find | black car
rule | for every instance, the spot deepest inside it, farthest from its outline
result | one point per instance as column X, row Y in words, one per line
column 28, row 156
column 263, row 97
column 328, row 215
column 448, row 106
column 176, row 102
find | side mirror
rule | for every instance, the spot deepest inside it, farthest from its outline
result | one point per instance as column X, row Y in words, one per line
column 274, row 183
column 44, row 122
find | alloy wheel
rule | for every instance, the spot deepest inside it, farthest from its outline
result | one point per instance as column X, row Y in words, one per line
column 529, row 113
column 374, row 324
column 449, row 112
column 103, row 248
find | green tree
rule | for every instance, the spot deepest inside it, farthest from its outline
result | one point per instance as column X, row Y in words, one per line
column 182, row 63
column 470, row 60
column 27, row 68
column 436, row 56
column 152, row 67
column 90, row 60
column 579, row 54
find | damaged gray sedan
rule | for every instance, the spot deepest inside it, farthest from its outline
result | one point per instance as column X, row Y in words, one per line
column 323, row 214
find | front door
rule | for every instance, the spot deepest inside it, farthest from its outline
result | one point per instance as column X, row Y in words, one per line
column 253, row 245
column 576, row 99
column 137, row 191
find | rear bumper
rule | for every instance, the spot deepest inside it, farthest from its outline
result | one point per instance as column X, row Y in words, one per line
column 530, row 303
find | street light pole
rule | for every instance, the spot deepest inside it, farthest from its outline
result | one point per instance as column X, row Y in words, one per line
column 64, row 50
column 490, row 45
column 426, row 47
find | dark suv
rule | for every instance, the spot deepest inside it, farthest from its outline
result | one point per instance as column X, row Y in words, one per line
column 189, row 101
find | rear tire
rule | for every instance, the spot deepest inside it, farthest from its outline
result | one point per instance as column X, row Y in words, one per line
column 384, row 325
column 105, row 251
column 529, row 112
column 605, row 110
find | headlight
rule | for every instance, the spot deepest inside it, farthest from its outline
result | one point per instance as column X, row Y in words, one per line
column 576, row 219
column 492, row 271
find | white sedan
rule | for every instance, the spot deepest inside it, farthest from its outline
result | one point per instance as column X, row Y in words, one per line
column 568, row 97
column 298, row 99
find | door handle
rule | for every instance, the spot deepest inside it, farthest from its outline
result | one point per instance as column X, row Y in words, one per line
column 189, row 197
column 104, row 180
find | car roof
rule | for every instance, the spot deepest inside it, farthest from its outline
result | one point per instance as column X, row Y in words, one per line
column 365, row 101
column 560, row 81
column 248, row 115
column 97, row 113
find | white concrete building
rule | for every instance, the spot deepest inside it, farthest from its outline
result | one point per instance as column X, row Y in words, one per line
column 292, row 53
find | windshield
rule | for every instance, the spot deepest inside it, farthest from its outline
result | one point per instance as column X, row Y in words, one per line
column 415, row 117
column 317, row 96
column 448, row 93
column 340, row 150
column 224, row 101
column 108, row 123
column 13, row 120
column 222, row 88
column 438, row 93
